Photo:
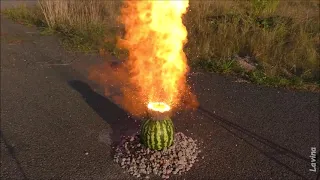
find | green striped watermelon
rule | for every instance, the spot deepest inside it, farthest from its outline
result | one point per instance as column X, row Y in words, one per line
column 157, row 134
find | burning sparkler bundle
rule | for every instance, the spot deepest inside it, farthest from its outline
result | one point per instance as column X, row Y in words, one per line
column 155, row 37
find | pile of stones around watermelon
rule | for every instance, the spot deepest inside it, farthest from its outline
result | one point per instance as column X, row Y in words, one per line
column 142, row 162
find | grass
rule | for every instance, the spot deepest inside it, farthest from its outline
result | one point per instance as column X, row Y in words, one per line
column 24, row 15
column 87, row 32
column 280, row 37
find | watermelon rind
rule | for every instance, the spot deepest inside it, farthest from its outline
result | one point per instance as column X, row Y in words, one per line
column 157, row 134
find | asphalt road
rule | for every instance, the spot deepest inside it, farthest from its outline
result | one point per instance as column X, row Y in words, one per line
column 57, row 124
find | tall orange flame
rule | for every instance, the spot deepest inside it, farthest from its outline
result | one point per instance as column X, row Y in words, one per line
column 155, row 36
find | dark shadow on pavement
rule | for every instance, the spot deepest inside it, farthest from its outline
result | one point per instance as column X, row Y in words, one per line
column 119, row 120
column 12, row 152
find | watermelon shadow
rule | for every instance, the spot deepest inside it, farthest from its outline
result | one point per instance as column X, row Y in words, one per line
column 121, row 123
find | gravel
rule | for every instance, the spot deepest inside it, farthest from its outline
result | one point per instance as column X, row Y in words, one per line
column 140, row 161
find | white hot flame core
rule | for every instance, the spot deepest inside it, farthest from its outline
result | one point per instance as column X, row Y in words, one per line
column 159, row 106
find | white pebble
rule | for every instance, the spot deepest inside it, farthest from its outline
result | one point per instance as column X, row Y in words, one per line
column 138, row 160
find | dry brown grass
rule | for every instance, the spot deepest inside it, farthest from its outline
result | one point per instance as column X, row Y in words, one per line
column 79, row 13
column 85, row 24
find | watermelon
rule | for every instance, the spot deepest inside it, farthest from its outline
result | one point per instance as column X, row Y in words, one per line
column 157, row 134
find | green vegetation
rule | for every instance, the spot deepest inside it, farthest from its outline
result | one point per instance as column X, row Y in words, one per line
column 79, row 30
column 280, row 38
column 26, row 16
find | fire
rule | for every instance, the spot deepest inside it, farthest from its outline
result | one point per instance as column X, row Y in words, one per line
column 159, row 106
column 155, row 37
